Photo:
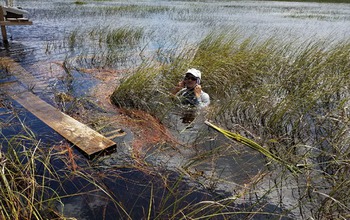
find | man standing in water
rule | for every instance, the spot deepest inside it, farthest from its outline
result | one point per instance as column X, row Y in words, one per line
column 190, row 91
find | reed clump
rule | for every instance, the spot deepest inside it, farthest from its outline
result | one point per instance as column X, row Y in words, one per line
column 292, row 97
column 142, row 89
column 124, row 36
column 80, row 3
column 149, row 87
column 102, row 47
column 105, row 37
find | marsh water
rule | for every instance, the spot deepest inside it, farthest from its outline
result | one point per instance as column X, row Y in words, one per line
column 65, row 31
column 169, row 23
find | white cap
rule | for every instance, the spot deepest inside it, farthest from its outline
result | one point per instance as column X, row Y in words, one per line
column 195, row 73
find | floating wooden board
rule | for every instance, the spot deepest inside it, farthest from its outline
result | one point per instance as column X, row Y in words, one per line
column 82, row 136
column 17, row 71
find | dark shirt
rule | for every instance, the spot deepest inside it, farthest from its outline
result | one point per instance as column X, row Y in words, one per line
column 189, row 98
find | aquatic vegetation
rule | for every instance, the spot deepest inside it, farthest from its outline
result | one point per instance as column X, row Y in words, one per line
column 124, row 36
column 103, row 46
column 43, row 182
column 23, row 191
column 147, row 89
column 140, row 9
column 288, row 95
column 291, row 97
column 105, row 36
column 143, row 82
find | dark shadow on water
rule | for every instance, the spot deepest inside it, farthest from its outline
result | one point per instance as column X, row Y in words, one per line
column 18, row 52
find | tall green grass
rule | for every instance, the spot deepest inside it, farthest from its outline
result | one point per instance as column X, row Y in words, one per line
column 149, row 87
column 290, row 96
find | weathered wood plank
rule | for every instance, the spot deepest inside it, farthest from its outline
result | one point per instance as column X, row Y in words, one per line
column 82, row 136
column 17, row 22
column 17, row 71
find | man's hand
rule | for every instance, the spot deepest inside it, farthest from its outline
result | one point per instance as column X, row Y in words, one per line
column 197, row 91
column 178, row 87
column 181, row 84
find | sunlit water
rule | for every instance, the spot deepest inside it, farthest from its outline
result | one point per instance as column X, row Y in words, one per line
column 174, row 24
column 177, row 22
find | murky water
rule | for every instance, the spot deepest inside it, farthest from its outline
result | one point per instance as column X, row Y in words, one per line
column 166, row 25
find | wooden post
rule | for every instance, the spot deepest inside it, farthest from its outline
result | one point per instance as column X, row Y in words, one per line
column 3, row 27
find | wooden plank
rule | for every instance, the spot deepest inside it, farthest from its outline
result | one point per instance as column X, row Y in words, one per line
column 9, row 23
column 28, row 80
column 82, row 136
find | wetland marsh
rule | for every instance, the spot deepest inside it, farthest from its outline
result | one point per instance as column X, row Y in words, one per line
column 277, row 74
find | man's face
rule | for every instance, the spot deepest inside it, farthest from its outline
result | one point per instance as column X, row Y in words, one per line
column 190, row 81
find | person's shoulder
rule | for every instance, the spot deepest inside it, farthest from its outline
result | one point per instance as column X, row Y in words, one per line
column 205, row 99
column 204, row 94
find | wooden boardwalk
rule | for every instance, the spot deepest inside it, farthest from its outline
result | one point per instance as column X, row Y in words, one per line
column 82, row 136
column 10, row 21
